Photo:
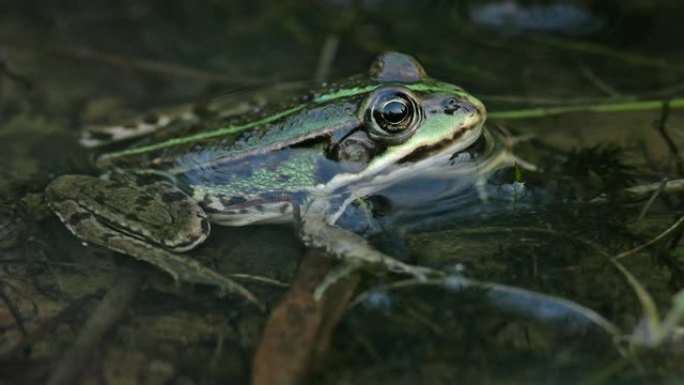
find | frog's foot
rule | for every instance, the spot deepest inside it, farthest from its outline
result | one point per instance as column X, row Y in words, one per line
column 355, row 252
column 153, row 223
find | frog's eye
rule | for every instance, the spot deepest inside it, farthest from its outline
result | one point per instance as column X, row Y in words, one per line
column 393, row 114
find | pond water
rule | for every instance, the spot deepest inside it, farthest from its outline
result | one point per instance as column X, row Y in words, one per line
column 562, row 265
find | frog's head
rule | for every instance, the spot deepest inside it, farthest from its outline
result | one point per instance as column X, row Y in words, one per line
column 411, row 123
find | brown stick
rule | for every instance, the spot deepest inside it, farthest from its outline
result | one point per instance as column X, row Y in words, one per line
column 105, row 316
column 299, row 329
column 46, row 327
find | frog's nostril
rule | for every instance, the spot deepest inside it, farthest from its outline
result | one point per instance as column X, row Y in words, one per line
column 460, row 107
column 470, row 109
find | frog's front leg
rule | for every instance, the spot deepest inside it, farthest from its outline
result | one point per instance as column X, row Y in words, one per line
column 152, row 222
column 354, row 251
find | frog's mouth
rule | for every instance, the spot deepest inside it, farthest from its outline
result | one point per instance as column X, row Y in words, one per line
column 435, row 160
column 440, row 154
column 450, row 147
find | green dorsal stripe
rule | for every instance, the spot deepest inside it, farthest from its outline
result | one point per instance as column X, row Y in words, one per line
column 228, row 130
column 203, row 135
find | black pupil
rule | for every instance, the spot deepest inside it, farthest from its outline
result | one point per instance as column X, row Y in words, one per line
column 394, row 112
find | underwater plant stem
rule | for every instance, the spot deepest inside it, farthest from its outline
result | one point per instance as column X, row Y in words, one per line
column 653, row 241
column 572, row 314
column 652, row 335
column 601, row 50
column 673, row 318
column 651, row 200
column 327, row 56
column 644, row 105
column 642, row 191
column 661, row 126
column 105, row 316
column 258, row 278
column 39, row 332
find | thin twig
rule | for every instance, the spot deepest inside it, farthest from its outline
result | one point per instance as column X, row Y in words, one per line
column 43, row 329
column 135, row 63
column 258, row 278
column 327, row 57
column 108, row 312
column 14, row 311
column 650, row 201
column 597, row 81
column 653, row 241
column 651, row 315
column 661, row 126
column 534, row 230
column 150, row 66
column 648, row 158
column 644, row 190
column 15, row 77
column 601, row 50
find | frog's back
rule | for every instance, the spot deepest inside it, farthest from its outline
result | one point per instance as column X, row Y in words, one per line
column 366, row 131
column 273, row 151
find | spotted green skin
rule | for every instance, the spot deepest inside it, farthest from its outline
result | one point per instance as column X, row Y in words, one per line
column 158, row 198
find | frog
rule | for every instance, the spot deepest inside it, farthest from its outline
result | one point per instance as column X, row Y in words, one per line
column 305, row 160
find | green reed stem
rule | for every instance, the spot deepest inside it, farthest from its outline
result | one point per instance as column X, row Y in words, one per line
column 607, row 107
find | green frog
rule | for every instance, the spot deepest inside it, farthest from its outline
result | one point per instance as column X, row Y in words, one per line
column 306, row 159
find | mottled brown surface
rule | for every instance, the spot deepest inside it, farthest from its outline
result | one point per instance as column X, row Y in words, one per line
column 299, row 329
